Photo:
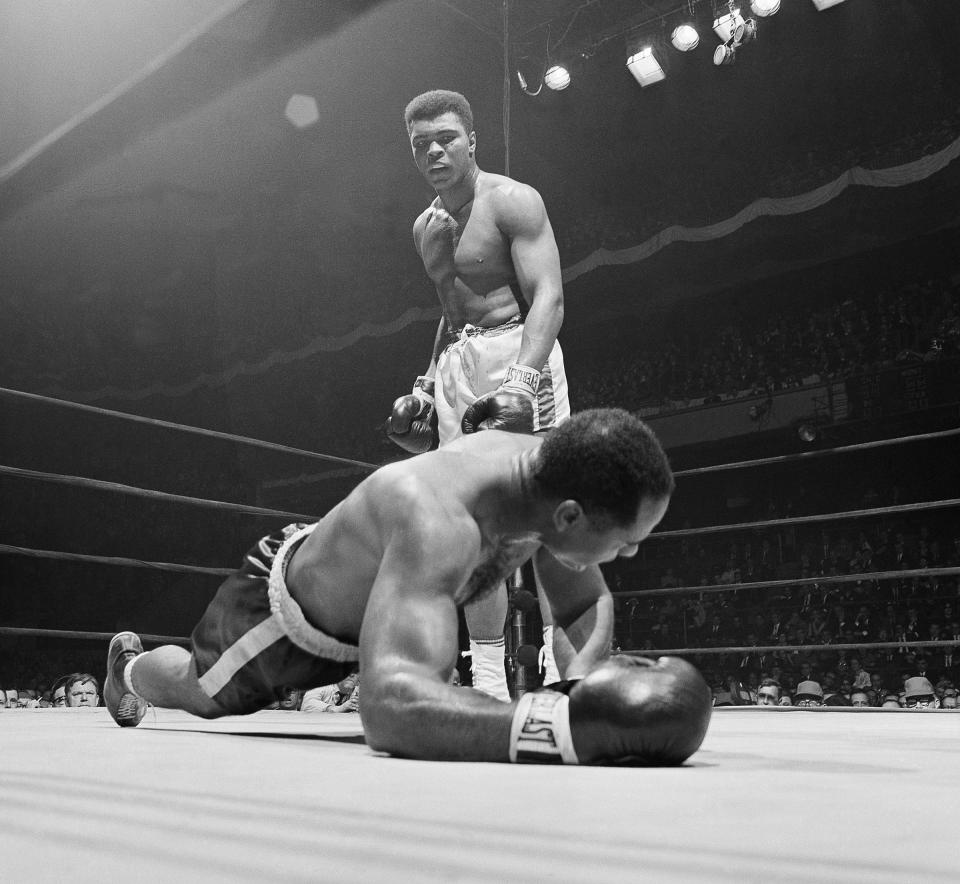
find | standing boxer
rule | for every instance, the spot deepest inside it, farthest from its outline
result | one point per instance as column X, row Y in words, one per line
column 381, row 576
column 487, row 245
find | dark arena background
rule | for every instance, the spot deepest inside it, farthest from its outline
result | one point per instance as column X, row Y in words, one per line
column 210, row 300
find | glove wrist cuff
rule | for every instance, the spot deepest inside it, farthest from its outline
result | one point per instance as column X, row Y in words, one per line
column 540, row 731
column 423, row 389
column 522, row 378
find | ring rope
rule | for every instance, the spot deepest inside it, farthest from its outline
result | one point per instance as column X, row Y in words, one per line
column 747, row 649
column 112, row 560
column 804, row 455
column 101, row 485
column 105, row 636
column 905, row 574
column 213, row 434
column 800, row 520
column 769, row 649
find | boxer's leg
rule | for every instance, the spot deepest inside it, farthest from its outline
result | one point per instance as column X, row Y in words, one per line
column 167, row 677
column 486, row 619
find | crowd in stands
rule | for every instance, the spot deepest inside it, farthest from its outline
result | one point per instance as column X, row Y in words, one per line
column 794, row 626
column 761, row 352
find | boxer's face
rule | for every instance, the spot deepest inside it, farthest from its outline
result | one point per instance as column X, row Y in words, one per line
column 579, row 543
column 442, row 149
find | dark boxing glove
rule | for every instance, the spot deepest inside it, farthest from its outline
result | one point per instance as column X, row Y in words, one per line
column 626, row 711
column 410, row 424
column 509, row 407
column 503, row 409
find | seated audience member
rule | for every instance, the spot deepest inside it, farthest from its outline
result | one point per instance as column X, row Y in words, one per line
column 808, row 693
column 860, row 699
column 739, row 695
column 918, row 694
column 11, row 699
column 949, row 700
column 343, row 696
column 289, row 699
column 82, row 689
column 768, row 693
column 58, row 696
column 28, row 699
column 891, row 701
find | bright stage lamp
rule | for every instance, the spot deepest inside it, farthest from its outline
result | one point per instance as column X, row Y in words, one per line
column 724, row 54
column 302, row 111
column 645, row 68
column 557, row 78
column 725, row 26
column 685, row 38
column 763, row 8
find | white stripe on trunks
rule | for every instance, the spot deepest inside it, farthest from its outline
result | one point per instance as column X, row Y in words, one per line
column 241, row 652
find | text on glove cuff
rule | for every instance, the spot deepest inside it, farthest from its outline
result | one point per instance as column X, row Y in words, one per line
column 540, row 732
column 522, row 376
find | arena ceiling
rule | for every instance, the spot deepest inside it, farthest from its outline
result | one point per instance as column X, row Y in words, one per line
column 166, row 233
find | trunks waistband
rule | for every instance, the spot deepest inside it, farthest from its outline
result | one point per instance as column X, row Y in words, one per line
column 491, row 331
column 290, row 615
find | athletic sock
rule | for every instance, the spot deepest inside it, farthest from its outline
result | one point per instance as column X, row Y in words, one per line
column 548, row 663
column 486, row 666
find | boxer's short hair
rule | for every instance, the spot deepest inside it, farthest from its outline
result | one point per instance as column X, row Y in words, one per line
column 432, row 104
column 607, row 460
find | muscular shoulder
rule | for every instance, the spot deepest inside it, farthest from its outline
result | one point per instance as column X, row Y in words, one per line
column 517, row 207
column 412, row 504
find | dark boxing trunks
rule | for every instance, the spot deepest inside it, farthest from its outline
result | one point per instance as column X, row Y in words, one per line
column 253, row 639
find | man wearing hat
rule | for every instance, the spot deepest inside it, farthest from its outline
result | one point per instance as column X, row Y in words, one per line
column 918, row 694
column 808, row 693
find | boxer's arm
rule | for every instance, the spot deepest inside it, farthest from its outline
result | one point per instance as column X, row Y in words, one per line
column 437, row 348
column 408, row 648
column 522, row 218
column 582, row 609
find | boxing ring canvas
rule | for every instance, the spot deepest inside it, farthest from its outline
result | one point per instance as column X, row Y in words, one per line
column 772, row 795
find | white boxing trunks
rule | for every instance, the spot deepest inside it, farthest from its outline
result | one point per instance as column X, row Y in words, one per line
column 475, row 363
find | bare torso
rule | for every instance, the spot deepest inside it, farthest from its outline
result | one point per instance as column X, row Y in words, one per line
column 468, row 258
column 333, row 571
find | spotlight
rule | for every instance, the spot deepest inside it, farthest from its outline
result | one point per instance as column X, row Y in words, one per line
column 302, row 111
column 685, row 37
column 557, row 78
column 763, row 8
column 725, row 26
column 645, row 68
column 808, row 433
column 724, row 54
column 825, row 4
